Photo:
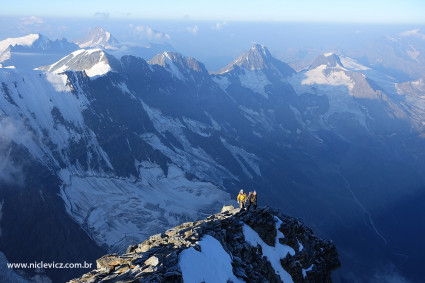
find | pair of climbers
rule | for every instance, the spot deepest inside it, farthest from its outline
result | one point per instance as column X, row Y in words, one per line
column 251, row 199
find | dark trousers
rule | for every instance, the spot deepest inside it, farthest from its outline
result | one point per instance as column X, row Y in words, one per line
column 254, row 205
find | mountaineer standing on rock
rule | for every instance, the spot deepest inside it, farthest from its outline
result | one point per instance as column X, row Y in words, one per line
column 248, row 201
column 252, row 199
column 241, row 199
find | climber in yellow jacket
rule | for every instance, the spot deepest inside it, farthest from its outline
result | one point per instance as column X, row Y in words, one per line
column 241, row 199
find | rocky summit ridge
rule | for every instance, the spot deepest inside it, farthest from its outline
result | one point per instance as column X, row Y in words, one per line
column 262, row 246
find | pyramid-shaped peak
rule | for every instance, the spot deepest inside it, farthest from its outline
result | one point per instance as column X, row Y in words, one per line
column 328, row 59
column 97, row 37
column 168, row 59
column 258, row 57
column 261, row 50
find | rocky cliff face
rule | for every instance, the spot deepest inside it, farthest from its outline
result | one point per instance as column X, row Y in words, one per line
column 234, row 246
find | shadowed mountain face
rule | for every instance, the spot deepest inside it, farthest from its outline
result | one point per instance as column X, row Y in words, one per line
column 140, row 147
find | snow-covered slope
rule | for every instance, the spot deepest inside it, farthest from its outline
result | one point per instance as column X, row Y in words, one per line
column 95, row 62
column 33, row 50
column 32, row 104
column 118, row 211
column 23, row 41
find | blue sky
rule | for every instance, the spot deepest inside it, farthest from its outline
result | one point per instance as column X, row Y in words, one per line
column 360, row 11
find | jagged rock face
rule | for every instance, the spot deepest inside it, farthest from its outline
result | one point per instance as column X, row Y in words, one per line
column 330, row 60
column 307, row 258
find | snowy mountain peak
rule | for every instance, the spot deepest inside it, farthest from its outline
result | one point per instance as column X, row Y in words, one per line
column 27, row 40
column 261, row 49
column 177, row 63
column 328, row 59
column 97, row 37
column 258, row 57
column 33, row 50
column 166, row 58
column 95, row 62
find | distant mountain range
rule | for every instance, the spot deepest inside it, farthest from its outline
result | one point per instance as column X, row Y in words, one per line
column 100, row 152
column 33, row 50
column 36, row 50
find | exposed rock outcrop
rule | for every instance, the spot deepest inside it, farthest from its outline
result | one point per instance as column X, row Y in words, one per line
column 158, row 259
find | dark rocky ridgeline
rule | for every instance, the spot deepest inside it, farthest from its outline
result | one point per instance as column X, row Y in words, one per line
column 157, row 259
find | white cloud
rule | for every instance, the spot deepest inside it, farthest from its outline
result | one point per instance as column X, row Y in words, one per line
column 193, row 30
column 31, row 24
column 33, row 20
column 148, row 32
column 413, row 32
column 219, row 26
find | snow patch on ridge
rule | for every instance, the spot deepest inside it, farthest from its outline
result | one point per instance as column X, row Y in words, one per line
column 273, row 254
column 173, row 69
column 211, row 264
column 255, row 81
column 307, row 270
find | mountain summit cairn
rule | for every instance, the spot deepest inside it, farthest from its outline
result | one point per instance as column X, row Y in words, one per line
column 255, row 246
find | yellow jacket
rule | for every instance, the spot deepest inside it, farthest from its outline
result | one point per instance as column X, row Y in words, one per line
column 241, row 197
